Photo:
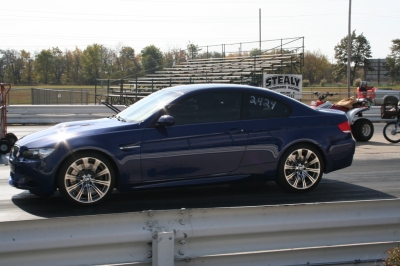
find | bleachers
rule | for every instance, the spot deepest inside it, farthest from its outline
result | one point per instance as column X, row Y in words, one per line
column 238, row 69
column 233, row 70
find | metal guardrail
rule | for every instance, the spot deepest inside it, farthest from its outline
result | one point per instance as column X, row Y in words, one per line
column 307, row 234
column 52, row 114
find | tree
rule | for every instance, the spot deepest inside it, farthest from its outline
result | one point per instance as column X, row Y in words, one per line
column 316, row 66
column 92, row 63
column 173, row 57
column 360, row 51
column 255, row 52
column 152, row 59
column 127, row 63
column 58, row 64
column 193, row 50
column 73, row 67
column 2, row 67
column 393, row 60
column 44, row 65
column 12, row 66
column 77, row 69
column 27, row 74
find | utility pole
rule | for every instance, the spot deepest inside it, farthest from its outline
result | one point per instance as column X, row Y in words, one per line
column 349, row 51
column 260, row 27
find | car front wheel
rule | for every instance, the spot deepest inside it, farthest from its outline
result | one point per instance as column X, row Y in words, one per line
column 300, row 169
column 86, row 178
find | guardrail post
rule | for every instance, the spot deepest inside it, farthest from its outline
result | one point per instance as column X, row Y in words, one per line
column 162, row 247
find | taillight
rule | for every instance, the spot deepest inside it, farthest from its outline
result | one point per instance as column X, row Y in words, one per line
column 345, row 127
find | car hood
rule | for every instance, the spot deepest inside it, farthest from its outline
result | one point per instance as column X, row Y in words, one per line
column 69, row 130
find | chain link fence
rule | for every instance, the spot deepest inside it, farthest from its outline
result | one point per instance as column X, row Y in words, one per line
column 50, row 96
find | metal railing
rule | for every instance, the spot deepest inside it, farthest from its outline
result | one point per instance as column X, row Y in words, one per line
column 337, row 233
column 53, row 114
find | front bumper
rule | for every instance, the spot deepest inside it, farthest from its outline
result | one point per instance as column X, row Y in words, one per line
column 35, row 176
column 31, row 182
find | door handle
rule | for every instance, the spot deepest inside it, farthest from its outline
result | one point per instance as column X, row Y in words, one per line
column 235, row 130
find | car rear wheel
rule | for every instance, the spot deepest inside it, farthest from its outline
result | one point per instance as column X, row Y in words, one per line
column 86, row 179
column 300, row 169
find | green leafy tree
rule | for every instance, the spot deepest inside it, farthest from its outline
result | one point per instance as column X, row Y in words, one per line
column 127, row 63
column 17, row 68
column 68, row 67
column 2, row 67
column 360, row 51
column 12, row 66
column 152, row 59
column 109, row 62
column 59, row 63
column 193, row 50
column 173, row 57
column 316, row 66
column 44, row 66
column 92, row 63
column 393, row 60
column 255, row 51
column 27, row 75
column 73, row 67
column 77, row 69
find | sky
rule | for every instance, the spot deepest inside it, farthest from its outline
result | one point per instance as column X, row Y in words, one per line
column 43, row 24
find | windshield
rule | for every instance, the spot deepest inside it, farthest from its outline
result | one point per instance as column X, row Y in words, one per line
column 144, row 108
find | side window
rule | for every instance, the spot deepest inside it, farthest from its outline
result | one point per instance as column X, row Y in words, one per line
column 206, row 108
column 260, row 107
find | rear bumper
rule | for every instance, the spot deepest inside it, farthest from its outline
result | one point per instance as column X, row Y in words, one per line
column 340, row 156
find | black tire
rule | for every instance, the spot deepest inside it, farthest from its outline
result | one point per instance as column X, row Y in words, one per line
column 11, row 138
column 362, row 130
column 86, row 178
column 300, row 169
column 391, row 100
column 5, row 146
column 391, row 132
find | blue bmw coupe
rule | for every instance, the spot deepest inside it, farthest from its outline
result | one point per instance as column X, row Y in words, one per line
column 186, row 135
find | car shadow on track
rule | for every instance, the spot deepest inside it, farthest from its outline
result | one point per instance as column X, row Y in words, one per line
column 231, row 195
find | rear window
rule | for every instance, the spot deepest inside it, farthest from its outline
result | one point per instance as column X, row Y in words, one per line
column 256, row 106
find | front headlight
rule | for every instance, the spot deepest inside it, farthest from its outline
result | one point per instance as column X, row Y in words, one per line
column 37, row 153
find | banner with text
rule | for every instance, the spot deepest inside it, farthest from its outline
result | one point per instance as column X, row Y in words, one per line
column 287, row 84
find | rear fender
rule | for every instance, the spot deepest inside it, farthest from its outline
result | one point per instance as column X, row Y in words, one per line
column 356, row 112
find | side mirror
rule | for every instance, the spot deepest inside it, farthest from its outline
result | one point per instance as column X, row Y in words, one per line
column 166, row 121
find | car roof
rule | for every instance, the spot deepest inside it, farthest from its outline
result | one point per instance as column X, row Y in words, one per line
column 187, row 89
column 210, row 86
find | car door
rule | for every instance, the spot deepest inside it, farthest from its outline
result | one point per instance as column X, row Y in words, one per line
column 266, row 120
column 207, row 139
